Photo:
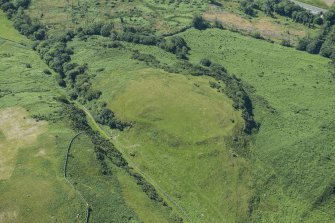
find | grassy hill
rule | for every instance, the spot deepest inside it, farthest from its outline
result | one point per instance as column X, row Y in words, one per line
column 294, row 144
column 179, row 127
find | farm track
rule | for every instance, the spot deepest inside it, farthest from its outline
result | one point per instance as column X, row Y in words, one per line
column 313, row 9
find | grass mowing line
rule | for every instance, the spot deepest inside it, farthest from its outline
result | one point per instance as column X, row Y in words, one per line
column 67, row 180
column 152, row 181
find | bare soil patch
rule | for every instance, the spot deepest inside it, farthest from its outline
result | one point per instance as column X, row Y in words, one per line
column 266, row 28
column 18, row 131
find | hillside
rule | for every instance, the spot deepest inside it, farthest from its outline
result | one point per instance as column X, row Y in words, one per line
column 166, row 111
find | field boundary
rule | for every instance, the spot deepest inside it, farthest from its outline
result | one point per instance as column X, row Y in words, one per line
column 67, row 180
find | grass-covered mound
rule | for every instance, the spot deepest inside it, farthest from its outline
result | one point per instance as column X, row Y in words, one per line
column 293, row 96
column 179, row 132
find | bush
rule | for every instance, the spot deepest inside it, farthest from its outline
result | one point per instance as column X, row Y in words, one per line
column 328, row 47
column 248, row 7
column 303, row 43
column 47, row 72
column 286, row 42
column 314, row 46
column 199, row 23
column 175, row 45
column 22, row 3
column 205, row 62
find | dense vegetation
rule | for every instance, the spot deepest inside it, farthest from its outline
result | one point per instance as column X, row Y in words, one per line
column 324, row 42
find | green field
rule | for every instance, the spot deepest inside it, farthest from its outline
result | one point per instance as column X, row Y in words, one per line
column 31, row 181
column 300, row 87
column 170, row 136
column 32, row 153
column 179, row 127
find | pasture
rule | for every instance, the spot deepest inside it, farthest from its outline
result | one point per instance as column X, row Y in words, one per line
column 300, row 88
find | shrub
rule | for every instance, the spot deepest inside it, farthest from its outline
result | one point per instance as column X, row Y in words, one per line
column 175, row 45
column 314, row 46
column 303, row 43
column 47, row 71
column 205, row 62
column 199, row 23
column 286, row 42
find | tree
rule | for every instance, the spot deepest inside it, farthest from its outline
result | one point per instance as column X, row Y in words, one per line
column 205, row 62
column 314, row 46
column 303, row 43
column 22, row 3
column 175, row 45
column 199, row 23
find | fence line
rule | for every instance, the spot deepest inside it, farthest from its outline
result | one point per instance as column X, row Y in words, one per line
column 88, row 211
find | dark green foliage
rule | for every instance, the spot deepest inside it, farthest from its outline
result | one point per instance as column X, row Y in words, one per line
column 199, row 23
column 60, row 82
column 205, row 62
column 247, row 7
column 46, row 71
column 138, row 38
column 314, row 46
column 328, row 47
column 147, row 188
column 55, row 54
column 106, row 116
column 176, row 45
column 286, row 42
column 303, row 43
column 148, row 58
column 22, row 3
column 27, row 27
column 324, row 42
column 330, row 16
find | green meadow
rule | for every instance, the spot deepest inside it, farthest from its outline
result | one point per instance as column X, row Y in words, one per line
column 292, row 95
column 292, row 151
column 178, row 138
column 32, row 153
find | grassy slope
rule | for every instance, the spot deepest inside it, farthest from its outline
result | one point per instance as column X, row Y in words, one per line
column 296, row 142
column 32, row 154
column 178, row 133
column 106, row 193
column 36, row 190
